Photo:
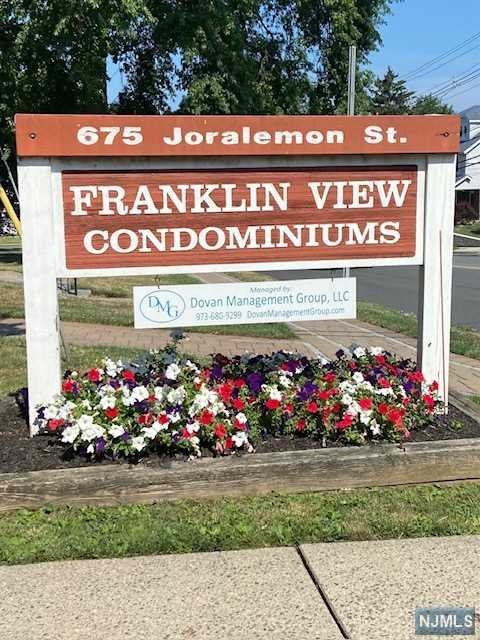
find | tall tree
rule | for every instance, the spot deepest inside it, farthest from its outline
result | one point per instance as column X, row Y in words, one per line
column 390, row 95
column 430, row 104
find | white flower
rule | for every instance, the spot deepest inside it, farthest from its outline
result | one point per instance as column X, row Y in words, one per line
column 388, row 391
column 365, row 417
column 192, row 366
column 241, row 418
column 284, row 380
column 140, row 393
column 112, row 368
column 346, row 386
column 151, row 432
column 88, row 429
column 273, row 391
column 37, row 426
column 70, row 434
column 376, row 351
column 346, row 399
column 90, row 448
column 108, row 402
column 138, row 443
column 174, row 417
column 176, row 396
column 358, row 377
column 375, row 428
column 359, row 352
column 116, row 430
column 172, row 371
column 86, row 404
column 50, row 412
column 240, row 438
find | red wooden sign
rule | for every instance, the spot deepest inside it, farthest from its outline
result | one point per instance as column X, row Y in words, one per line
column 156, row 219
column 109, row 135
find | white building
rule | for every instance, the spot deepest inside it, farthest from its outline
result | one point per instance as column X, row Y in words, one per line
column 468, row 166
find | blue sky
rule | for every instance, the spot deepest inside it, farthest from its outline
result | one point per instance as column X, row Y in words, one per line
column 416, row 32
column 419, row 30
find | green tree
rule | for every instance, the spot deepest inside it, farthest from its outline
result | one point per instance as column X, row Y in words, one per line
column 430, row 104
column 390, row 95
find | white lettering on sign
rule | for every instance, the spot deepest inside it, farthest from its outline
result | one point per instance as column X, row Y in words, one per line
column 244, row 303
column 365, row 194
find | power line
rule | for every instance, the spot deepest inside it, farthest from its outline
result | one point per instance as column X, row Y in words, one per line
column 464, row 90
column 443, row 64
column 455, row 82
column 422, row 68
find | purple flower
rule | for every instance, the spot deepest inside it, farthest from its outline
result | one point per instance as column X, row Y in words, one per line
column 142, row 406
column 217, row 373
column 307, row 390
column 100, row 446
column 125, row 436
column 255, row 381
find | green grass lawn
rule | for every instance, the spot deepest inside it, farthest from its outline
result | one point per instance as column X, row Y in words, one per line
column 109, row 304
column 463, row 340
column 10, row 253
column 469, row 229
column 239, row 523
column 14, row 364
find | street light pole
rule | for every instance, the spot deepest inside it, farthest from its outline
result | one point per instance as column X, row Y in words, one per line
column 352, row 69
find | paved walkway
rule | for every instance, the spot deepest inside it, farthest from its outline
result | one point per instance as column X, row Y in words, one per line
column 356, row 590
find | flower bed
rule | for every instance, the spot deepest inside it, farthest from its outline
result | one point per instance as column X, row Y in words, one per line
column 168, row 404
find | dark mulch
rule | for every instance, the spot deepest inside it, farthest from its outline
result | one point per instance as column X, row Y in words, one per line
column 19, row 452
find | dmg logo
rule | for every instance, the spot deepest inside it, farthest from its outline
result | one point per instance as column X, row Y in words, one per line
column 454, row 621
column 162, row 306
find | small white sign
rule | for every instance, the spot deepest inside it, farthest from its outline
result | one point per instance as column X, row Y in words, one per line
column 244, row 302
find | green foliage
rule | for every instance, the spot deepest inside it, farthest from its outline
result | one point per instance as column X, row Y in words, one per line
column 390, row 95
column 430, row 104
column 216, row 56
column 238, row 523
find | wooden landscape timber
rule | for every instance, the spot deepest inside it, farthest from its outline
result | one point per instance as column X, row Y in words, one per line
column 247, row 475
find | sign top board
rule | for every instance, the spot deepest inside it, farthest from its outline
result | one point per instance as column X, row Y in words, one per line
column 110, row 135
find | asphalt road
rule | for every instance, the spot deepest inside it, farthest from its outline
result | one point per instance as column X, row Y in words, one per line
column 397, row 287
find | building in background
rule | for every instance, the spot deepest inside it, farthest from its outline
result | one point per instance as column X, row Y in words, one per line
column 468, row 167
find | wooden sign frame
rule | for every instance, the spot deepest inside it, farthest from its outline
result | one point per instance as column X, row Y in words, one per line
column 44, row 251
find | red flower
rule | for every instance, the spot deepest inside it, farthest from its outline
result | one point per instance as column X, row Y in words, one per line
column 163, row 418
column 238, row 404
column 396, row 417
column 346, row 422
column 300, row 425
column 94, row 375
column 288, row 408
column 225, row 391
column 128, row 375
column 312, row 407
column 416, row 376
column 220, row 432
column 111, row 413
column 429, row 401
column 380, row 359
column 228, row 443
column 68, row 386
column 55, row 423
column 329, row 377
column 383, row 408
column 434, row 386
column 324, row 395
column 145, row 418
column 272, row 404
column 186, row 433
column 206, row 417
column 383, row 382
column 365, row 404
column 239, row 383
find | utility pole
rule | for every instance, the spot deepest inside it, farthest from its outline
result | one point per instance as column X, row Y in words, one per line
column 352, row 72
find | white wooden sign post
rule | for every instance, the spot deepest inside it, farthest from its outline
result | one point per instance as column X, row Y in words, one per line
column 132, row 195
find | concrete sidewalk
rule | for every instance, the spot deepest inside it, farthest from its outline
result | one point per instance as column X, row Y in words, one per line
column 358, row 590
